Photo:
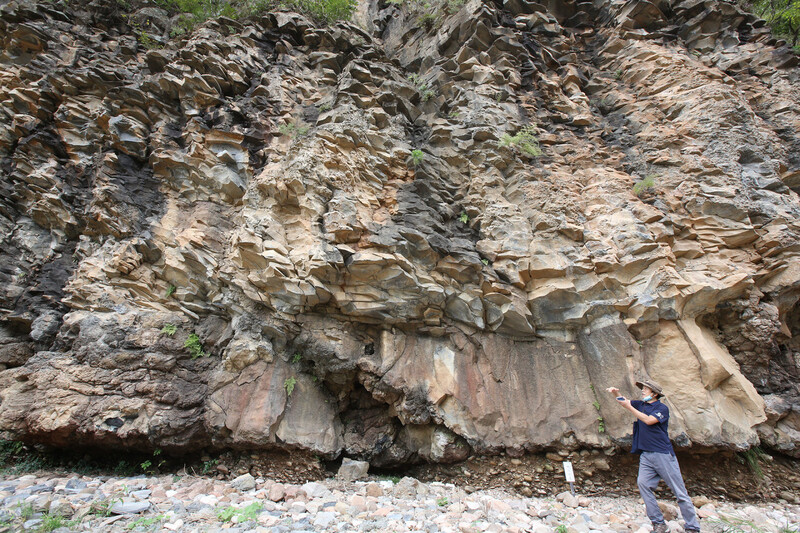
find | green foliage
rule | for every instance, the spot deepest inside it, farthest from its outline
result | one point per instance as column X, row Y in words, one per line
column 102, row 507
column 242, row 514
column 8, row 450
column 645, row 185
column 783, row 16
column 525, row 141
column 453, row 114
column 601, row 424
column 25, row 510
column 417, row 157
column 463, row 217
column 195, row 347
column 618, row 74
column 16, row 459
column 124, row 469
column 146, row 522
column 454, row 5
column 209, row 465
column 752, row 458
column 296, row 358
column 596, row 405
column 170, row 291
column 324, row 107
column 485, row 261
column 441, row 502
column 169, row 329
column 146, row 464
column 145, row 40
column 54, row 521
column 293, row 130
column 561, row 528
column 425, row 91
column 427, row 19
column 289, row 384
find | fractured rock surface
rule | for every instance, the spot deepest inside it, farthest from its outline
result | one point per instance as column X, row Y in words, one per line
column 247, row 194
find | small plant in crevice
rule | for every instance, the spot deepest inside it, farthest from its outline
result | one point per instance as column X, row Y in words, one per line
column 752, row 458
column 647, row 185
column 417, row 156
column 561, row 528
column 292, row 130
column 195, row 347
column 289, row 384
column 463, row 217
column 324, row 107
column 209, row 465
column 601, row 423
column 297, row 357
column 485, row 261
column 443, row 501
column 169, row 329
column 425, row 91
column 170, row 291
column 427, row 19
column 525, row 141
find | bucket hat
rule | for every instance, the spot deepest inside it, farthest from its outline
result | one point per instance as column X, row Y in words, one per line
column 652, row 385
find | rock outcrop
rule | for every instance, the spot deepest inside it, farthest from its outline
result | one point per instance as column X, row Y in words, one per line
column 268, row 233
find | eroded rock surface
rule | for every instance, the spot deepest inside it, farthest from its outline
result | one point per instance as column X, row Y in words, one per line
column 251, row 194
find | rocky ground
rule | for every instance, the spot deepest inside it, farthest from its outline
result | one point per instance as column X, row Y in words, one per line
column 487, row 494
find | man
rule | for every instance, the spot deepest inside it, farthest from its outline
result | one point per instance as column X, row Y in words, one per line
column 657, row 458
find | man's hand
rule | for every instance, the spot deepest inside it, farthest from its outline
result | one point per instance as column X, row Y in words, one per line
column 613, row 390
column 625, row 403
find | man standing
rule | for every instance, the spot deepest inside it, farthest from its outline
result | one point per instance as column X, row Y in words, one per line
column 657, row 458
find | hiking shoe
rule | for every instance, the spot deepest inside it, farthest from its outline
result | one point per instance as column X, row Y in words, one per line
column 660, row 528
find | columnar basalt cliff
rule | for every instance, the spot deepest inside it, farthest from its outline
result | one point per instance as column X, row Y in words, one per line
column 349, row 228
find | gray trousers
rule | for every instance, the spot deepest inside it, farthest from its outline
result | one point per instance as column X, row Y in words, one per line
column 654, row 466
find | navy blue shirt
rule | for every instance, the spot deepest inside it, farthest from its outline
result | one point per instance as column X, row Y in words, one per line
column 653, row 438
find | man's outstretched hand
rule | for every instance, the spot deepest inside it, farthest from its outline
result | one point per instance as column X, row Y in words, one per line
column 613, row 390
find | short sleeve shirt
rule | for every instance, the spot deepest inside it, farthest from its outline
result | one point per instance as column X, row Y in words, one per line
column 654, row 438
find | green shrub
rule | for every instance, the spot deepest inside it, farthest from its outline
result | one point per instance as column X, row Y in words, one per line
column 293, row 130
column 417, row 157
column 463, row 217
column 289, row 384
column 783, row 16
column 209, row 465
column 525, row 141
column 296, row 358
column 645, row 185
column 425, row 91
column 195, row 347
column 169, row 329
column 170, row 291
column 443, row 501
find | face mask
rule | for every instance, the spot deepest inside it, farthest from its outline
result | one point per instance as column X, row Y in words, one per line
column 647, row 398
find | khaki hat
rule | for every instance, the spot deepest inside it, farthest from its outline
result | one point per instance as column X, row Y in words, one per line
column 652, row 385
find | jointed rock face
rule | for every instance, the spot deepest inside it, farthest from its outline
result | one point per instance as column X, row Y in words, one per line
column 251, row 193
